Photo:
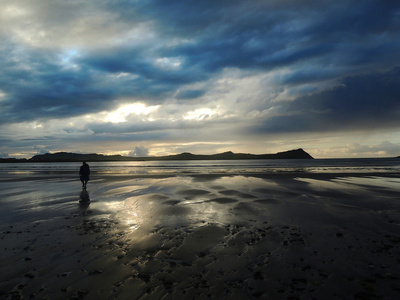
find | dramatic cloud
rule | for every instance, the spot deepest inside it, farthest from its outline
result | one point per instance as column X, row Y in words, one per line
column 139, row 151
column 201, row 76
column 364, row 102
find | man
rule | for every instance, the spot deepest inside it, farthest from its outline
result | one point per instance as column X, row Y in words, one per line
column 84, row 173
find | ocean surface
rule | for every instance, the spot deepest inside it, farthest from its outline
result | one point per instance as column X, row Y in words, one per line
column 234, row 167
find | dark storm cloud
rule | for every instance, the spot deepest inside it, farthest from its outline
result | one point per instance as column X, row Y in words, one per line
column 138, row 61
column 190, row 94
column 40, row 87
column 257, row 34
column 369, row 102
column 192, row 41
column 36, row 86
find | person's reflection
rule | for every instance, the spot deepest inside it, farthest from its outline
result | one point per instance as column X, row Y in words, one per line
column 84, row 200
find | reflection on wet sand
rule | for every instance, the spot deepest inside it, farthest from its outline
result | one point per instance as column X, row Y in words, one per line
column 225, row 237
column 84, row 199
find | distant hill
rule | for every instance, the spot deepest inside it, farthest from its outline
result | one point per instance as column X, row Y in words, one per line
column 291, row 154
column 12, row 160
column 72, row 157
column 66, row 157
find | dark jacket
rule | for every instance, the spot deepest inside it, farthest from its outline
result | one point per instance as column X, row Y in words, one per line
column 84, row 170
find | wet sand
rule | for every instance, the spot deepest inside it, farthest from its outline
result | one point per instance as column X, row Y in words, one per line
column 197, row 237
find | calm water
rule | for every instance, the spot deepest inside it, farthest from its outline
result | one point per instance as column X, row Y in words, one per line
column 363, row 165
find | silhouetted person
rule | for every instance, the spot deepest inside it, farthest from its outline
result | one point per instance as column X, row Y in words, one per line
column 84, row 173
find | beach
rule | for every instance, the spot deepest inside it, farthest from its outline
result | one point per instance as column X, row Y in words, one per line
column 159, row 233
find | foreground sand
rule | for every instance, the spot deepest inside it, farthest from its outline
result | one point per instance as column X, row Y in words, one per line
column 283, row 236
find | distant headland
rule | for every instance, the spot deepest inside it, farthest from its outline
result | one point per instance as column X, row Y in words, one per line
column 77, row 157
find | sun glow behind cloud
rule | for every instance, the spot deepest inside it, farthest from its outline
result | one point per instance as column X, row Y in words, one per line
column 200, row 114
column 120, row 115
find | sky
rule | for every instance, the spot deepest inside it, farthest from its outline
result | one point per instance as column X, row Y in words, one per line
column 146, row 77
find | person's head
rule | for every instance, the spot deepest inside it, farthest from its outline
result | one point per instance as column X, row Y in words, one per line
column 84, row 163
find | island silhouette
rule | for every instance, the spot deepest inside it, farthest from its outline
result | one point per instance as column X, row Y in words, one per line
column 92, row 157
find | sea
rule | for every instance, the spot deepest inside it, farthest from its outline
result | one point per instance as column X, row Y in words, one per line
column 388, row 166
